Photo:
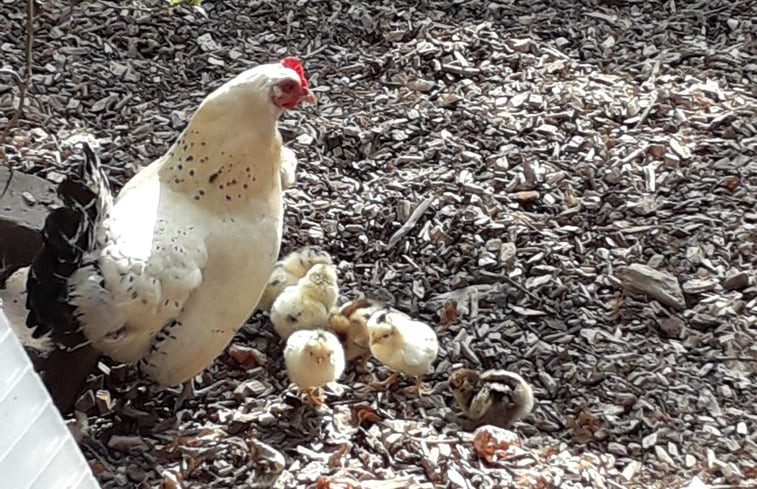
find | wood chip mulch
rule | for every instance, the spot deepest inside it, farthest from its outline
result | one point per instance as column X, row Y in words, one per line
column 561, row 188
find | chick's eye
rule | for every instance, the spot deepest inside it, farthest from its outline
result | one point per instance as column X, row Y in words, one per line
column 311, row 353
column 385, row 336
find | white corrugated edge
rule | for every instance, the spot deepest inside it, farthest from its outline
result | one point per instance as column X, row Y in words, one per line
column 697, row 483
column 51, row 458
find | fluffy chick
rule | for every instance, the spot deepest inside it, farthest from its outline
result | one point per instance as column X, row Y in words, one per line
column 402, row 344
column 495, row 397
column 289, row 270
column 313, row 358
column 307, row 304
column 350, row 324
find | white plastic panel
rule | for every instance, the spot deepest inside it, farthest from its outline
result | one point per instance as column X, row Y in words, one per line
column 37, row 450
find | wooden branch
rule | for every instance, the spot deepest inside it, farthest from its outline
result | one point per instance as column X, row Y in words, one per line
column 23, row 85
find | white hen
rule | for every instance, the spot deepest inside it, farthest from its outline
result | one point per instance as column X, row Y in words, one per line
column 177, row 262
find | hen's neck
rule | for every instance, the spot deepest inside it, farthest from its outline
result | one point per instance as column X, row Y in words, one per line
column 222, row 165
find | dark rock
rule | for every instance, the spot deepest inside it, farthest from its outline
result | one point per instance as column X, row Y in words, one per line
column 85, row 402
column 672, row 326
column 21, row 221
column 736, row 281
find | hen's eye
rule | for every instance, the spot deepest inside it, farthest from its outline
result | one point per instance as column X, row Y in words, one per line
column 288, row 86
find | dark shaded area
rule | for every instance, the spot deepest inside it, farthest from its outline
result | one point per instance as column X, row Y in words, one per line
column 23, row 210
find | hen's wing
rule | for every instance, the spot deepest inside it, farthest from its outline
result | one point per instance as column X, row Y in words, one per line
column 288, row 167
column 151, row 260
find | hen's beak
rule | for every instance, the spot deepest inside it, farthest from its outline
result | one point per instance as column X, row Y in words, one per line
column 310, row 98
column 288, row 94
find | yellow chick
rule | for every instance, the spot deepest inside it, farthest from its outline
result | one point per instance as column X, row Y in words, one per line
column 289, row 270
column 402, row 344
column 307, row 304
column 313, row 359
column 495, row 397
column 350, row 324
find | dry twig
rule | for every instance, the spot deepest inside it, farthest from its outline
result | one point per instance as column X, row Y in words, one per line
column 23, row 85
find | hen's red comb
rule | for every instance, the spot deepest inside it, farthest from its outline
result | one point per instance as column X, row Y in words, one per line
column 294, row 63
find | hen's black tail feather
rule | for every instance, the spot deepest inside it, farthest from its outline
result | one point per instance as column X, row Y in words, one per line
column 67, row 238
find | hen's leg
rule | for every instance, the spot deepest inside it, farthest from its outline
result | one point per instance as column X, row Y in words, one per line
column 183, row 394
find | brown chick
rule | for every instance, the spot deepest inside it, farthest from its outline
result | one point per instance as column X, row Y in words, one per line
column 495, row 397
column 289, row 270
column 350, row 324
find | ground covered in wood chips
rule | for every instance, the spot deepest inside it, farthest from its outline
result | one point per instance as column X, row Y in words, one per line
column 578, row 176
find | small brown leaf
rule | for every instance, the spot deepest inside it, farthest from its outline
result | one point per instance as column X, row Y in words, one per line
column 585, row 426
column 103, row 401
column 322, row 482
column 492, row 442
column 246, row 356
column 335, row 460
column 171, row 481
column 449, row 313
column 731, row 182
column 656, row 150
column 366, row 414
column 97, row 467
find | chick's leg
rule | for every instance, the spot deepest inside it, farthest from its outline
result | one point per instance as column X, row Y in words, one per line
column 361, row 363
column 419, row 388
column 386, row 383
column 314, row 396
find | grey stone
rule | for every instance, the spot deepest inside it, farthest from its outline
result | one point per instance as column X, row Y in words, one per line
column 656, row 284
